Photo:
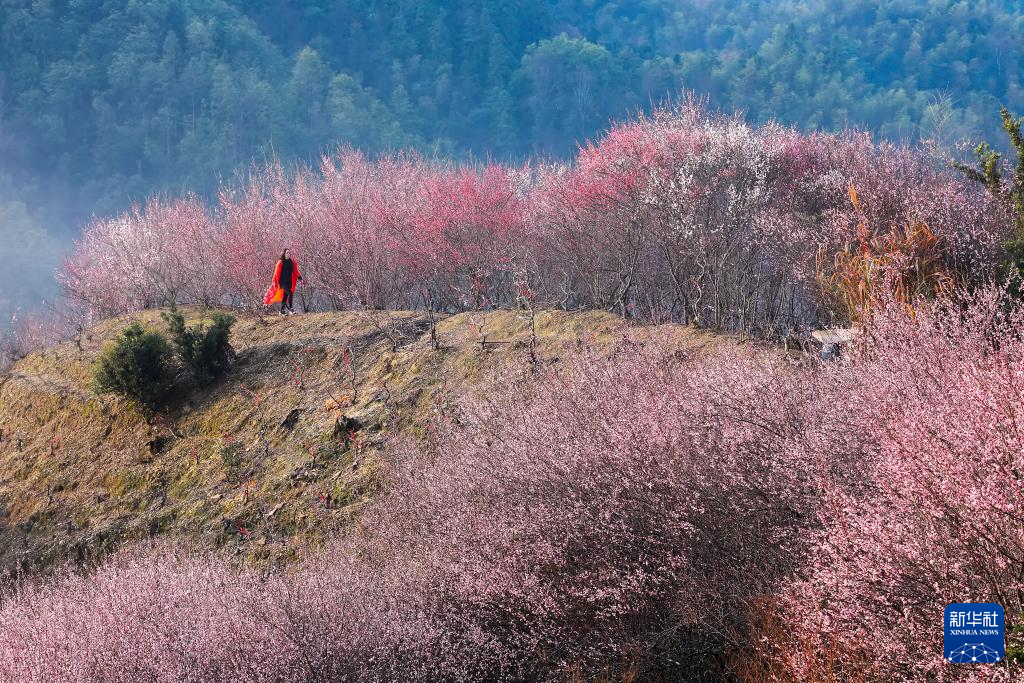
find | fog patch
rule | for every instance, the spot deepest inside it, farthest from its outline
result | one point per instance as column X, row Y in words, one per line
column 30, row 255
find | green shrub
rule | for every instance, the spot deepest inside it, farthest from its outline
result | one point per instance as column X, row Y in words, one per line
column 138, row 365
column 989, row 171
column 206, row 352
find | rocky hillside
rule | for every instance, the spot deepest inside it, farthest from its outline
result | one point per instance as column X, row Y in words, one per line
column 265, row 463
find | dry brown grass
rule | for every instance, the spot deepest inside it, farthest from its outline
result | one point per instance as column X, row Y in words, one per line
column 778, row 654
column 903, row 264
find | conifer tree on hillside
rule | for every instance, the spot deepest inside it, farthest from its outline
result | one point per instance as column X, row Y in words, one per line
column 990, row 171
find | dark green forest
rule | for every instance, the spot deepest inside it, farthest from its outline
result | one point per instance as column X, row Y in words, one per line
column 103, row 102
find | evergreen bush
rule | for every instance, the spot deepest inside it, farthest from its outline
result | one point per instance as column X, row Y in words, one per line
column 206, row 352
column 138, row 364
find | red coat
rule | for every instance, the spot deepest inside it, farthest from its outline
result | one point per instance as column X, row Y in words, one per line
column 274, row 292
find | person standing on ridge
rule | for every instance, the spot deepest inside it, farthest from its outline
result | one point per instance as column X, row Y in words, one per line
column 286, row 277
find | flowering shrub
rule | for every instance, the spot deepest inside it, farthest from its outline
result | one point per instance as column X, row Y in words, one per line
column 683, row 215
column 162, row 616
column 932, row 512
column 603, row 512
column 580, row 520
column 695, row 217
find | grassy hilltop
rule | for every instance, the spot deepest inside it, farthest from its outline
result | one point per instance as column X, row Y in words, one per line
column 263, row 463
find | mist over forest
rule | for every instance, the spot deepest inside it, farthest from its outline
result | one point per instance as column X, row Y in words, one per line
column 104, row 103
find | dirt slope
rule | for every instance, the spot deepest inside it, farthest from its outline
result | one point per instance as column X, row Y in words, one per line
column 266, row 462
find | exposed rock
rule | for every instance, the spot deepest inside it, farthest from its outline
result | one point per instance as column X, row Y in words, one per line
column 158, row 444
column 833, row 341
column 292, row 419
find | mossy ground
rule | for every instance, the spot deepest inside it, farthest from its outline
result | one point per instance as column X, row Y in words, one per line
column 265, row 463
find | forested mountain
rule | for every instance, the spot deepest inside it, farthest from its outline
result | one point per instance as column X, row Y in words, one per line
column 117, row 99
column 103, row 102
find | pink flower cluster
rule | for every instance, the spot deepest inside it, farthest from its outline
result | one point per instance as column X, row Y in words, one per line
column 638, row 513
column 924, row 502
column 682, row 215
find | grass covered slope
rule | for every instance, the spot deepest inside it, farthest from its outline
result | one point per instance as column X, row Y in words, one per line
column 264, row 463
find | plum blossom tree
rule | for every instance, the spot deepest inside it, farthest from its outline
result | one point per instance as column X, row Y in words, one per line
column 922, row 503
column 729, row 230
column 190, row 251
column 605, row 515
column 592, row 222
column 603, row 512
column 272, row 210
column 700, row 217
column 681, row 215
column 164, row 251
column 646, row 513
column 465, row 231
column 361, row 222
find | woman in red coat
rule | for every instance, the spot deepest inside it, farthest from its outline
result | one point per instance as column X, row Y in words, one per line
column 286, row 277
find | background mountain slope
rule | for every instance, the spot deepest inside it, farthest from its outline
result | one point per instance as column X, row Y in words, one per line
column 118, row 100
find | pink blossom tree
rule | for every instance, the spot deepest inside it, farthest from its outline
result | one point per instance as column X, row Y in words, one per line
column 258, row 220
column 597, row 517
column 465, row 231
column 593, row 217
column 641, row 513
column 927, row 509
column 164, row 251
column 681, row 215
column 357, row 244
